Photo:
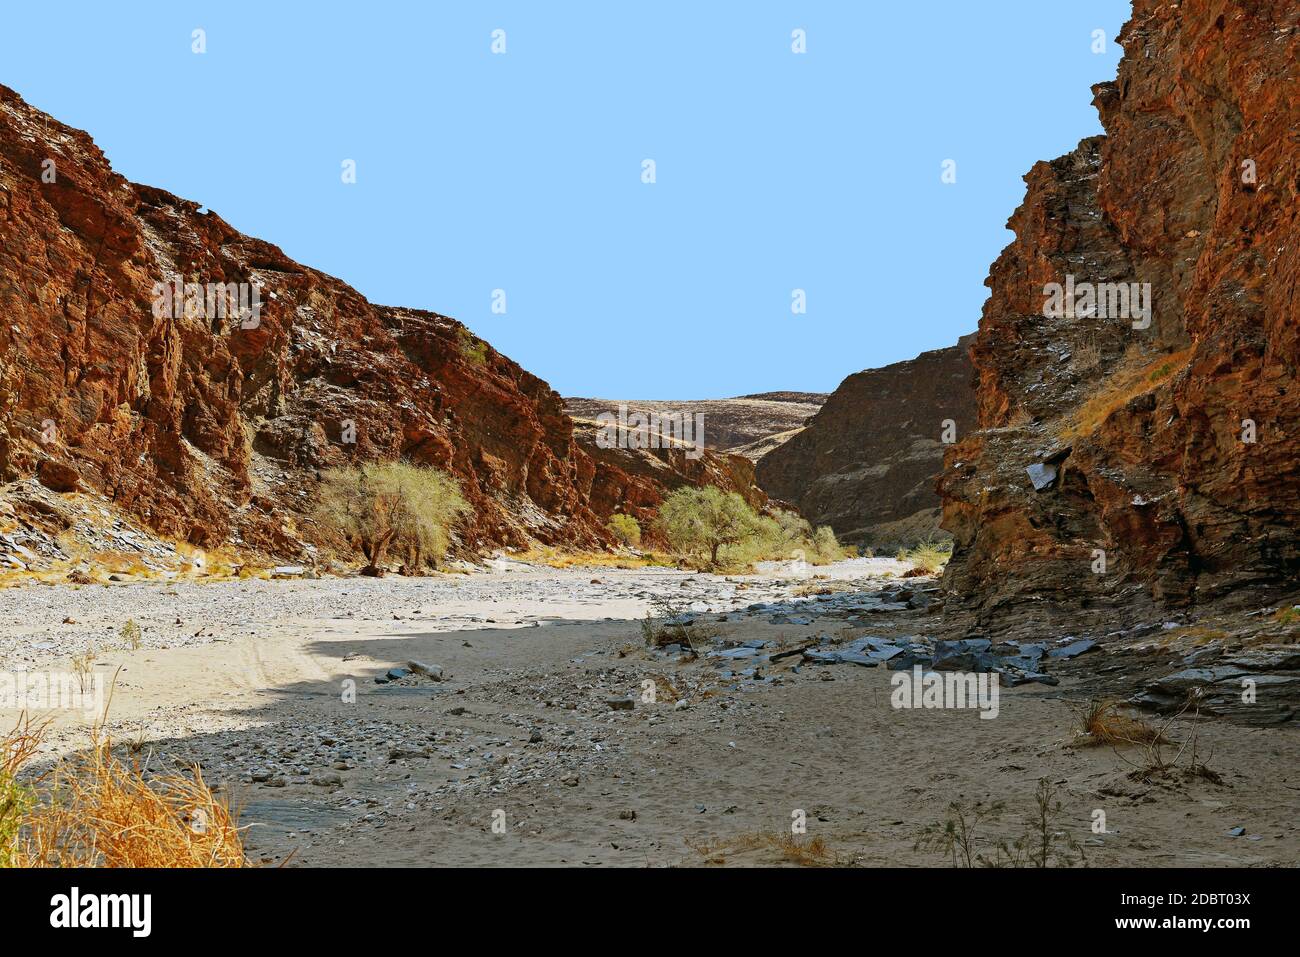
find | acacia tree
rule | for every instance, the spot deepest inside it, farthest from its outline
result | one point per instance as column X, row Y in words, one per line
column 698, row 520
column 391, row 506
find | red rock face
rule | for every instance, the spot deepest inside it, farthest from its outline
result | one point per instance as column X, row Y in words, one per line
column 213, row 428
column 1195, row 190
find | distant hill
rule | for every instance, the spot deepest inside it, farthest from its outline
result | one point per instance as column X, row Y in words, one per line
column 747, row 425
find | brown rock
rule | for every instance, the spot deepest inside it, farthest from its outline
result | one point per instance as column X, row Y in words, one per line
column 1145, row 426
column 212, row 425
column 58, row 476
column 867, row 462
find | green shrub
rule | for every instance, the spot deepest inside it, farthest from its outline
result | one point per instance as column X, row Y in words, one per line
column 380, row 507
column 701, row 522
column 929, row 557
column 626, row 529
column 825, row 544
column 471, row 347
column 722, row 526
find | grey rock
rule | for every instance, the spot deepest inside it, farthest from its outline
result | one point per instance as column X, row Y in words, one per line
column 1041, row 475
column 1073, row 649
column 429, row 671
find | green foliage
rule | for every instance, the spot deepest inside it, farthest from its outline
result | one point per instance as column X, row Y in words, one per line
column 626, row 529
column 700, row 522
column 131, row 634
column 719, row 528
column 392, row 505
column 826, row 546
column 471, row 347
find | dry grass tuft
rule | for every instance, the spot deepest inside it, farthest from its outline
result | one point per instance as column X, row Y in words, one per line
column 1128, row 382
column 1100, row 722
column 99, row 812
column 16, row 749
column 813, row 852
column 928, row 557
column 554, row 558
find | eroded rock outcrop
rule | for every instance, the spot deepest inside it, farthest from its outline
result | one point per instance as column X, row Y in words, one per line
column 867, row 462
column 1126, row 466
column 210, row 422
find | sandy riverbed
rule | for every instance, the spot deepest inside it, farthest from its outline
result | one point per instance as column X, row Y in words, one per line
column 250, row 679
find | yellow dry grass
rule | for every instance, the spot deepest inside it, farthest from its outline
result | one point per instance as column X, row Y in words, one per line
column 787, row 848
column 1100, row 722
column 96, row 811
column 554, row 558
column 1135, row 376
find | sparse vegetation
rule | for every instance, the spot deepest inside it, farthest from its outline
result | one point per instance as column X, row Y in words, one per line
column 809, row 852
column 1042, row 843
column 626, row 529
column 1087, row 355
column 716, row 529
column 927, row 557
column 471, row 346
column 83, row 666
column 95, row 811
column 1100, row 722
column 1132, row 379
column 1155, row 767
column 131, row 634
column 378, row 507
column 16, row 800
column 667, row 624
column 557, row 558
column 1288, row 616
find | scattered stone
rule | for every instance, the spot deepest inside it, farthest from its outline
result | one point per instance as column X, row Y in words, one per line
column 429, row 671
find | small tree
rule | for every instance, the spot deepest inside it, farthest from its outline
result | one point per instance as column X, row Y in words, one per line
column 704, row 520
column 826, row 545
column 793, row 531
column 394, row 505
column 626, row 529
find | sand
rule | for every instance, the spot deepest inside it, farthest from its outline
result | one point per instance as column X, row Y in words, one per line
column 250, row 680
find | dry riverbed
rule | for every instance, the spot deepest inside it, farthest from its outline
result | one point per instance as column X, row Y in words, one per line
column 522, row 733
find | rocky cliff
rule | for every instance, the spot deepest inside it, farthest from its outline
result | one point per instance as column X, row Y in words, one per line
column 208, row 410
column 867, row 462
column 1131, row 459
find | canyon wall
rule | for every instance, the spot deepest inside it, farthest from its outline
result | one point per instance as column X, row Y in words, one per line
column 212, row 429
column 1125, row 467
column 867, row 462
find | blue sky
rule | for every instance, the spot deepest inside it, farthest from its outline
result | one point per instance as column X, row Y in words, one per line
column 522, row 171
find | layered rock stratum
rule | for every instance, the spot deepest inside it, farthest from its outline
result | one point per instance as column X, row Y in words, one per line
column 866, row 464
column 212, row 429
column 747, row 425
column 1165, row 460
